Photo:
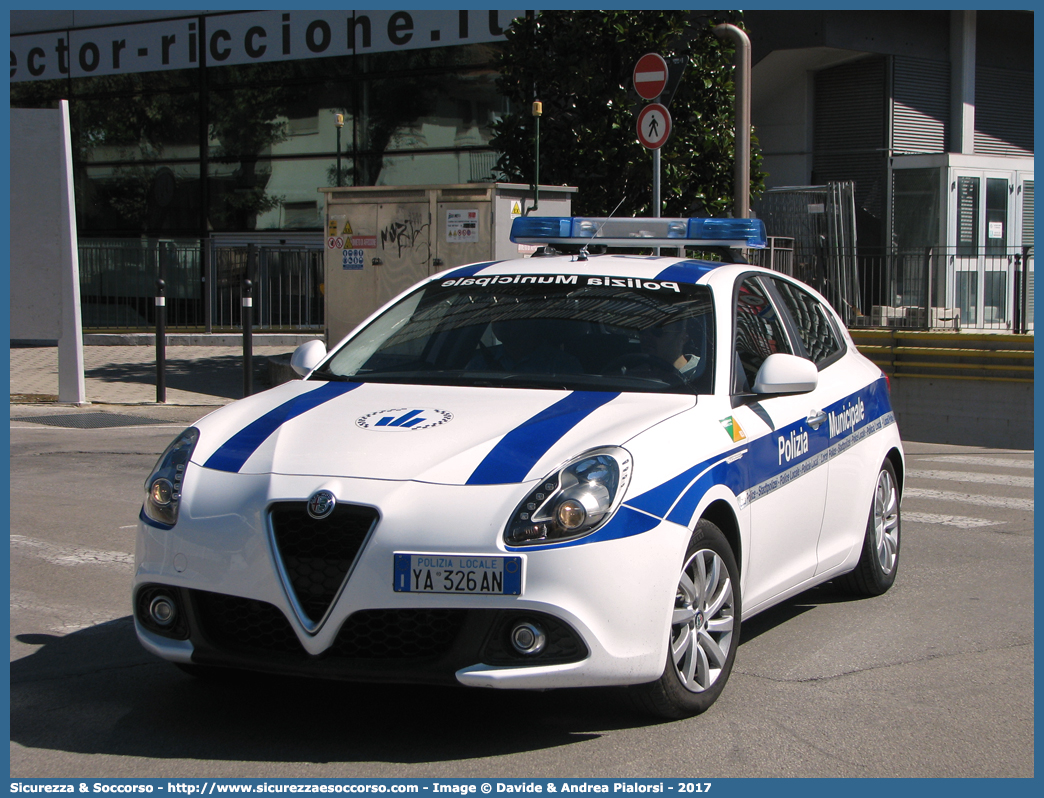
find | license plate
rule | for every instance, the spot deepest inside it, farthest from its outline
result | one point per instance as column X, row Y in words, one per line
column 468, row 574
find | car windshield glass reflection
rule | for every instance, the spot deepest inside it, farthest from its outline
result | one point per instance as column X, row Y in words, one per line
column 549, row 331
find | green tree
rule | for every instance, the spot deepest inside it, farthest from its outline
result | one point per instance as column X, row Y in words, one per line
column 579, row 64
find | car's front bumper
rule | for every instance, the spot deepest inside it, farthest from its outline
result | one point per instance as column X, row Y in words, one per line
column 606, row 606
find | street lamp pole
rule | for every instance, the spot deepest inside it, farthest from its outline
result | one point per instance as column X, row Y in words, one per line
column 741, row 178
column 339, row 122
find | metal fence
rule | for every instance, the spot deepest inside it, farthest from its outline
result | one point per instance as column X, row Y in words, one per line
column 932, row 288
column 287, row 287
column 815, row 233
column 945, row 288
column 118, row 282
column 118, row 285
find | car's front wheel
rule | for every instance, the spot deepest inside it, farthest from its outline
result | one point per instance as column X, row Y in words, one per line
column 879, row 559
column 704, row 633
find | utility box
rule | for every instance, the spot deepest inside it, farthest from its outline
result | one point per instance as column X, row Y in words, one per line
column 380, row 240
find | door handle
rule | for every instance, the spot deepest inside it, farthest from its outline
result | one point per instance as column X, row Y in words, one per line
column 815, row 418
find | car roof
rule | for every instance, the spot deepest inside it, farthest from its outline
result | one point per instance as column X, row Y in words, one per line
column 645, row 267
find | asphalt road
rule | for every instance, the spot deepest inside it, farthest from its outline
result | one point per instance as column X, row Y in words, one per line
column 933, row 679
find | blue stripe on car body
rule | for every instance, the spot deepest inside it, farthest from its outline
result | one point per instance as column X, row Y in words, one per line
column 687, row 271
column 758, row 472
column 234, row 452
column 517, row 452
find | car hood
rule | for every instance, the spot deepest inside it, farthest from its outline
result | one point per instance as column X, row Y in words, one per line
column 440, row 434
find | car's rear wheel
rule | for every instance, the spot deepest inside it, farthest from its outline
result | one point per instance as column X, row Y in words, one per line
column 704, row 631
column 879, row 560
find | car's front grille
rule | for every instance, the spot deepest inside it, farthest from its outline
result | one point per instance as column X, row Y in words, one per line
column 398, row 634
column 411, row 644
column 244, row 625
column 317, row 554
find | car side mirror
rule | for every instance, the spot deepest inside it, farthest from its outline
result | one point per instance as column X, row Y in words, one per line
column 307, row 356
column 781, row 374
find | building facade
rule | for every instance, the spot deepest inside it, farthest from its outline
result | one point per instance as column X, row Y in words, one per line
column 222, row 126
column 199, row 124
column 930, row 115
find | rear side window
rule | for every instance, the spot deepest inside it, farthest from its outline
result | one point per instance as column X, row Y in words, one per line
column 814, row 326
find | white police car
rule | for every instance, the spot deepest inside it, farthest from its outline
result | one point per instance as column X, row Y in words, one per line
column 558, row 471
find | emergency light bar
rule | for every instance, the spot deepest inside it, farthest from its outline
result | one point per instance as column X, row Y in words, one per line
column 639, row 232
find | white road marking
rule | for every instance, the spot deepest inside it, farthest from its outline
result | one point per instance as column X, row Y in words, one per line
column 972, row 476
column 962, row 459
column 72, row 555
column 1005, row 502
column 948, row 520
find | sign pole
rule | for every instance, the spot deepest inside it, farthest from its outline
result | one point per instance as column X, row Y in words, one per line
column 656, row 189
column 650, row 79
column 656, row 183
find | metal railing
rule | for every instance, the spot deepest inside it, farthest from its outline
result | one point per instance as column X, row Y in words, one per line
column 118, row 282
column 778, row 255
column 945, row 288
column 287, row 287
column 118, row 285
column 914, row 354
column 929, row 288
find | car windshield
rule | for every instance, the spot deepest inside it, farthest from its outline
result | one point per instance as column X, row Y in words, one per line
column 572, row 332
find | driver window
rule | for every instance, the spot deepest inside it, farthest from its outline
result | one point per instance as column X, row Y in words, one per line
column 759, row 333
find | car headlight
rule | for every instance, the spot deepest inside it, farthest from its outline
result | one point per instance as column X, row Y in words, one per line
column 574, row 501
column 163, row 487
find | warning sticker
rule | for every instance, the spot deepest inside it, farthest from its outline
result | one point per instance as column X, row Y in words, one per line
column 462, row 227
column 352, row 259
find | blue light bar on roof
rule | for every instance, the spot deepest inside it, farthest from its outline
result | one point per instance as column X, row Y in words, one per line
column 639, row 232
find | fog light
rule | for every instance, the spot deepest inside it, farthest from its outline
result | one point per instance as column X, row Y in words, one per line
column 162, row 610
column 528, row 638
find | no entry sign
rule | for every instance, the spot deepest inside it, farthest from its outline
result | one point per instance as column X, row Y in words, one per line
column 654, row 126
column 650, row 76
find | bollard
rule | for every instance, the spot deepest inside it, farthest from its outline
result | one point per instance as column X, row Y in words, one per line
column 161, row 342
column 248, row 344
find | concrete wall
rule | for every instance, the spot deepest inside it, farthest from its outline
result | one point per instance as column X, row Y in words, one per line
column 968, row 412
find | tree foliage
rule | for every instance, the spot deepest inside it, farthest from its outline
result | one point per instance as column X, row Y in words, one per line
column 579, row 64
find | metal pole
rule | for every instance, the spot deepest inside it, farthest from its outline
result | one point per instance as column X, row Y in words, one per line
column 1026, row 258
column 537, row 111
column 656, row 184
column 928, row 251
column 340, row 124
column 208, row 282
column 248, row 324
column 741, row 179
column 1016, row 284
column 161, row 342
column 656, row 191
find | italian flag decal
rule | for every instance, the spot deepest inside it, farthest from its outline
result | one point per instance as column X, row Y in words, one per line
column 732, row 427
